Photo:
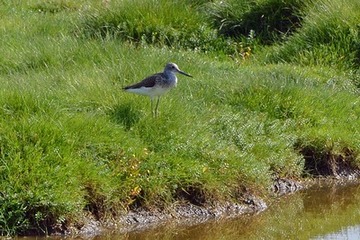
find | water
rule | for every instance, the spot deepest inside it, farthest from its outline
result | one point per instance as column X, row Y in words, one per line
column 352, row 232
column 321, row 212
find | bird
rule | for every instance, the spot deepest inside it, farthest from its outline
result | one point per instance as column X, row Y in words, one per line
column 157, row 84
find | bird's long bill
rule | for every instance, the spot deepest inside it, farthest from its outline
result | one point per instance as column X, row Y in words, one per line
column 184, row 73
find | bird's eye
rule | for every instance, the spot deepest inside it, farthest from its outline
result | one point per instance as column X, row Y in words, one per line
column 172, row 66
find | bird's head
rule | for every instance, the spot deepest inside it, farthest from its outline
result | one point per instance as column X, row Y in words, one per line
column 172, row 67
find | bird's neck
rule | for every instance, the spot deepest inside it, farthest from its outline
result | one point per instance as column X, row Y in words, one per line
column 170, row 75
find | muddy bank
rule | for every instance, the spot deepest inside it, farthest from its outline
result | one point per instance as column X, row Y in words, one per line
column 182, row 213
column 190, row 212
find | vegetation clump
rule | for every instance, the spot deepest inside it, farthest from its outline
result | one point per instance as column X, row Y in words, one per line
column 270, row 20
column 175, row 24
column 330, row 36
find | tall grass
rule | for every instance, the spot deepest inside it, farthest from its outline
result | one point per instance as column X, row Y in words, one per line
column 329, row 36
column 72, row 141
column 162, row 23
column 269, row 20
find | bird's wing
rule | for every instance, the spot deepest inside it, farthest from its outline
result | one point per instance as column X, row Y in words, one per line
column 147, row 82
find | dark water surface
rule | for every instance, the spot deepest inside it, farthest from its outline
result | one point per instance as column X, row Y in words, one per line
column 321, row 212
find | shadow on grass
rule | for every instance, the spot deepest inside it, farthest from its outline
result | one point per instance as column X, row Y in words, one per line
column 126, row 115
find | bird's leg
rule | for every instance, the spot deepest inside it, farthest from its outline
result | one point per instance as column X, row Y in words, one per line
column 157, row 105
column 151, row 105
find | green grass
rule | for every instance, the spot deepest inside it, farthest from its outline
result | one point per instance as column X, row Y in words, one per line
column 269, row 20
column 163, row 23
column 330, row 36
column 73, row 141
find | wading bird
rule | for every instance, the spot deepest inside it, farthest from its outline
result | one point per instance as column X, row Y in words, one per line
column 157, row 84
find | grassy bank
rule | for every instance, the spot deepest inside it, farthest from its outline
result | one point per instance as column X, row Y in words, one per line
column 72, row 141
